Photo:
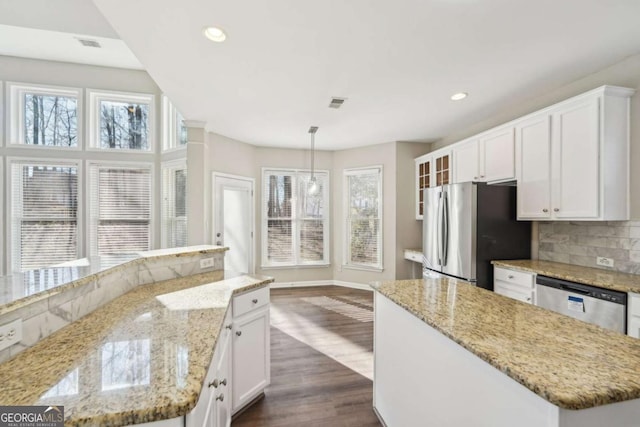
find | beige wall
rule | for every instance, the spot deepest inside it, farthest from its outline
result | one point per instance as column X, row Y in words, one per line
column 381, row 154
column 625, row 73
column 408, row 228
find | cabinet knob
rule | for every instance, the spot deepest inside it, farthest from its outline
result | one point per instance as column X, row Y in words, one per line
column 224, row 382
column 219, row 243
column 481, row 176
column 529, row 299
column 238, row 333
column 510, row 276
column 255, row 300
column 214, row 383
column 545, row 210
column 228, row 326
column 475, row 177
column 556, row 209
column 221, row 397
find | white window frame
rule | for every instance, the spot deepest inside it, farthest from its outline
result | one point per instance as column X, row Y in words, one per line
column 94, row 97
column 266, row 264
column 4, row 258
column 171, row 166
column 12, row 264
column 93, row 251
column 346, row 247
column 170, row 127
column 15, row 113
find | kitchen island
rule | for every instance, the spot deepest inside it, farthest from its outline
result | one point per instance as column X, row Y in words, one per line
column 449, row 354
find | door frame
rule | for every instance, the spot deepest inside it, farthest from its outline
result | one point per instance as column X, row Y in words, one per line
column 252, row 214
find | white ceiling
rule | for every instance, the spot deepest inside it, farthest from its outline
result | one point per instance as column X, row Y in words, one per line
column 397, row 62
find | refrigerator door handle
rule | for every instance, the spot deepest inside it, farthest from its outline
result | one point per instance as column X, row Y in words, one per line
column 439, row 228
column 445, row 223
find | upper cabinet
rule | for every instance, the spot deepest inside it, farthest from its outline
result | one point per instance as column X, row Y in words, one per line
column 488, row 157
column 572, row 159
column 432, row 170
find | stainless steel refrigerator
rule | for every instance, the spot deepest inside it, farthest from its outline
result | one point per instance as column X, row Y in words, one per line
column 467, row 225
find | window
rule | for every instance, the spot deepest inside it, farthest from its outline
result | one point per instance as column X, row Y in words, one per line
column 44, row 214
column 44, row 116
column 174, row 204
column 120, row 121
column 174, row 133
column 120, row 209
column 295, row 226
column 363, row 218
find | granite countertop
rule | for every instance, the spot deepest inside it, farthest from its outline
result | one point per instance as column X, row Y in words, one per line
column 613, row 280
column 142, row 357
column 572, row 364
column 24, row 288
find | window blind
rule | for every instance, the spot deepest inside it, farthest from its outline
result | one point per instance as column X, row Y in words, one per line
column 364, row 217
column 120, row 209
column 295, row 223
column 44, row 200
column 174, row 205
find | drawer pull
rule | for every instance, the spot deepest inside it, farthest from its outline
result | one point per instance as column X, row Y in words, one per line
column 255, row 300
column 238, row 333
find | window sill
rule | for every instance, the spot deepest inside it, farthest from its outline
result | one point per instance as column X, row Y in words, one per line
column 293, row 267
column 362, row 268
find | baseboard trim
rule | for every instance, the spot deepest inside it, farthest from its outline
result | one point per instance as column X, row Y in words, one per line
column 361, row 286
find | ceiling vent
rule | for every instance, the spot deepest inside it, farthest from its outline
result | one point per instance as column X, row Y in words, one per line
column 89, row 43
column 313, row 129
column 336, row 102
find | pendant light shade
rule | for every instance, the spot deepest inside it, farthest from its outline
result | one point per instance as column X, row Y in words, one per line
column 313, row 183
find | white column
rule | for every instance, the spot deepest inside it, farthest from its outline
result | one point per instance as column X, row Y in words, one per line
column 197, row 184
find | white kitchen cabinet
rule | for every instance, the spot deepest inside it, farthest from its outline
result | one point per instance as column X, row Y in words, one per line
column 432, row 169
column 516, row 284
column 497, row 155
column 251, row 369
column 487, row 158
column 212, row 409
column 466, row 161
column 633, row 315
column 572, row 159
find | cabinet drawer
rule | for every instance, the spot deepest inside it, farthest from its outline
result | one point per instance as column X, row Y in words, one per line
column 246, row 302
column 525, row 280
column 514, row 292
column 413, row 256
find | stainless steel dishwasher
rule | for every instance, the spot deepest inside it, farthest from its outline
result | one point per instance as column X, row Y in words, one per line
column 590, row 304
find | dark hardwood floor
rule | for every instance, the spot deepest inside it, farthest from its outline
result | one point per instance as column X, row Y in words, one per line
column 321, row 360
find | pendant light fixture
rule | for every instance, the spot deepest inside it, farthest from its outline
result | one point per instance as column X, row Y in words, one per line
column 313, row 184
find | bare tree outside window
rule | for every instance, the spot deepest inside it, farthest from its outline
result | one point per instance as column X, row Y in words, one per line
column 124, row 125
column 50, row 120
column 363, row 218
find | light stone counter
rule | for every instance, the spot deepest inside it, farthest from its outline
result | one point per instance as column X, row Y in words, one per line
column 613, row 280
column 571, row 364
column 142, row 357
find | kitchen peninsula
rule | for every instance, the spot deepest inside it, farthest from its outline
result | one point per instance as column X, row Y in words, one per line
column 450, row 354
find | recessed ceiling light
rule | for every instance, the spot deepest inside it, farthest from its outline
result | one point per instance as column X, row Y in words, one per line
column 214, row 34
column 458, row 96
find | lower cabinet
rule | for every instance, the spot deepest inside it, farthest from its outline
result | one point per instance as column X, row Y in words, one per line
column 515, row 284
column 251, row 347
column 213, row 407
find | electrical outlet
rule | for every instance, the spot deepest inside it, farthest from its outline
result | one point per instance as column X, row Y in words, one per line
column 10, row 334
column 606, row 262
column 206, row 263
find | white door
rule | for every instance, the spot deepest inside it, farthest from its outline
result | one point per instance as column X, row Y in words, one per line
column 233, row 220
column 533, row 159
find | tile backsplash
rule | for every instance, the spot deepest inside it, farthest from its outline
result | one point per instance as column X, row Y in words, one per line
column 581, row 242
